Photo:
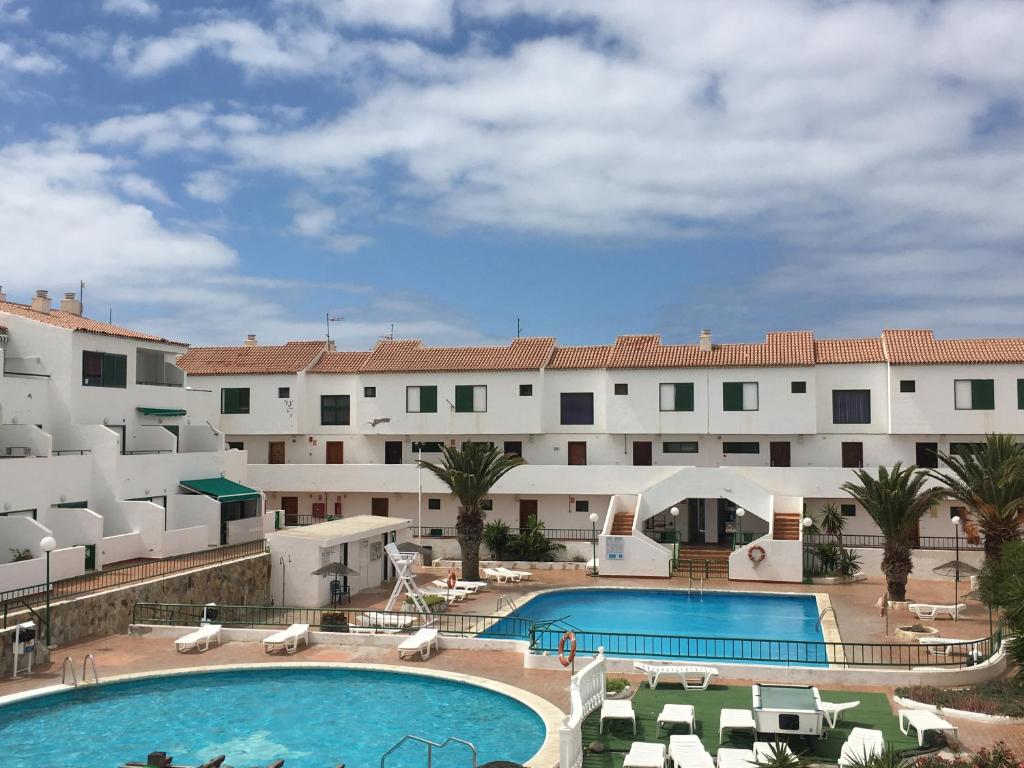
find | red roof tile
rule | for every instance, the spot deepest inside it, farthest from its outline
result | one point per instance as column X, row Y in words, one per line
column 832, row 351
column 410, row 356
column 292, row 357
column 565, row 358
column 340, row 362
column 920, row 347
column 73, row 322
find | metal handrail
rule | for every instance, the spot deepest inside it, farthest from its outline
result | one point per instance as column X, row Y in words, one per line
column 430, row 747
column 507, row 600
column 700, row 584
column 85, row 662
column 65, row 665
column 826, row 609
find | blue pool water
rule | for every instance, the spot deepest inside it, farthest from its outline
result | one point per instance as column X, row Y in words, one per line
column 312, row 718
column 715, row 626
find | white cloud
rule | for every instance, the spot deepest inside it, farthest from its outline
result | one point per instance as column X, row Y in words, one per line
column 146, row 9
column 136, row 186
column 319, row 221
column 415, row 16
column 13, row 12
column 29, row 62
column 210, row 186
column 185, row 127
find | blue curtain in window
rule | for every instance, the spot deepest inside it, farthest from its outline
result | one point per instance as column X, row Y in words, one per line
column 851, row 406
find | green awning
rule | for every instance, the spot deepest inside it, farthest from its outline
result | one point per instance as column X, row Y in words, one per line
column 222, row 489
column 161, row 411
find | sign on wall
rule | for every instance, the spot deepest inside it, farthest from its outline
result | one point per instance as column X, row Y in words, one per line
column 614, row 547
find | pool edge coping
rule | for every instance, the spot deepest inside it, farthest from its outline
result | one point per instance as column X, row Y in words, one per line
column 550, row 715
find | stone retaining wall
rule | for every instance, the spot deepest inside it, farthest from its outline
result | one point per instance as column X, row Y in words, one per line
column 239, row 582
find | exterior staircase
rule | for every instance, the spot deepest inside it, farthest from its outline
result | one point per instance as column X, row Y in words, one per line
column 786, row 526
column 622, row 523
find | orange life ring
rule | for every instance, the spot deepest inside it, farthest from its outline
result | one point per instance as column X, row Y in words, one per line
column 756, row 554
column 451, row 580
column 564, row 660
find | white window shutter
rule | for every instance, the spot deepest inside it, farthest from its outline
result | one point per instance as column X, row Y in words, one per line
column 962, row 393
column 412, row 399
column 750, row 396
column 479, row 399
column 668, row 397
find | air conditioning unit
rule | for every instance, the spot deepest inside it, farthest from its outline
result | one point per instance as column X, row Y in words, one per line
column 17, row 451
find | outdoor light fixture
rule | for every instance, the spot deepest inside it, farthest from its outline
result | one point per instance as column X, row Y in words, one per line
column 955, row 520
column 740, row 512
column 675, row 537
column 48, row 544
column 593, row 536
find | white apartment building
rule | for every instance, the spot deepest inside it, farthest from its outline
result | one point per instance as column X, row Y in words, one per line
column 628, row 430
column 100, row 449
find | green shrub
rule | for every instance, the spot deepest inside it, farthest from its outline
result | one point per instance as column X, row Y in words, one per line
column 18, row 555
column 579, row 558
column 334, row 621
column 849, row 562
column 997, row 756
column 497, row 535
column 779, row 757
column 435, row 603
column 616, row 684
column 531, row 544
column 996, row 697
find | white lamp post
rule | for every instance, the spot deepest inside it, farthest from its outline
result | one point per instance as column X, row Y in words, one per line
column 956, row 573
column 740, row 512
column 48, row 544
column 675, row 537
column 593, row 538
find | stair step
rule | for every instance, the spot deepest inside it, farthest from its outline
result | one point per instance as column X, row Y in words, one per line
column 786, row 526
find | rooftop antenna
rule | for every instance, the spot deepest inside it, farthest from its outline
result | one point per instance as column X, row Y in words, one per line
column 519, row 328
column 110, row 316
column 391, row 334
column 81, row 294
column 331, row 319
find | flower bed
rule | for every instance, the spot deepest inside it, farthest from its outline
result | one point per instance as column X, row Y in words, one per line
column 997, row 756
column 998, row 697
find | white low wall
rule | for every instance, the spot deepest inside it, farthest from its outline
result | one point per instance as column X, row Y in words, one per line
column 182, row 540
column 125, row 546
column 21, row 532
column 191, row 510
column 924, row 561
column 66, row 563
column 783, row 561
column 246, row 529
column 25, row 573
column 74, row 525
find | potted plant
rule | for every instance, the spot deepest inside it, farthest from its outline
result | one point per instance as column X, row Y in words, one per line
column 334, row 621
column 18, row 555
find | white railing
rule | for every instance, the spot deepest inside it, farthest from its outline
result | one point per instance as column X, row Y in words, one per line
column 586, row 693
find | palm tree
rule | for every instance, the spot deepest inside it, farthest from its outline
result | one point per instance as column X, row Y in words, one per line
column 988, row 479
column 470, row 472
column 896, row 501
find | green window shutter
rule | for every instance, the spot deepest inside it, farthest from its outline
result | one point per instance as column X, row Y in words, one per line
column 229, row 401
column 115, row 370
column 463, row 398
column 684, row 397
column 732, row 396
column 428, row 399
column 983, row 394
column 1020, row 394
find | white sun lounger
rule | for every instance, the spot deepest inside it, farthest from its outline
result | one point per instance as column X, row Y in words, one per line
column 763, row 750
column 943, row 646
column 200, row 639
column 676, row 714
column 419, row 643
column 922, row 721
column 736, row 758
column 644, row 754
column 617, row 709
column 687, row 751
column 692, row 677
column 523, row 575
column 465, row 587
column 862, row 744
column 385, row 620
column 287, row 639
column 501, row 575
column 736, row 720
column 450, row 595
column 831, row 711
column 929, row 611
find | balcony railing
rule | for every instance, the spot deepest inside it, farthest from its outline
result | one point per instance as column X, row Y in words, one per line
column 870, row 541
column 555, row 534
column 160, row 384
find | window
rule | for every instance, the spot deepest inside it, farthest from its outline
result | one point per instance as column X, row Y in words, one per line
column 526, row 390
column 334, row 409
column 487, row 505
column 429, row 447
column 798, row 387
column 235, row 445
column 974, row 394
column 234, row 400
column 741, row 447
column 676, row 397
column 848, row 510
column 851, row 406
column 960, row 512
column 739, row 396
column 284, row 392
column 964, row 449
column 515, row 447
column 470, row 398
column 622, row 389
column 577, row 408
column 689, row 446
column 852, row 455
column 927, row 455
column 1020, row 394
column 908, row 385
column 100, row 369
column 582, row 505
column 421, row 399
column 434, row 504
column 369, row 391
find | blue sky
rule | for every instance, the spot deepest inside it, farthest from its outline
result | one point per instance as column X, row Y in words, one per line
column 212, row 169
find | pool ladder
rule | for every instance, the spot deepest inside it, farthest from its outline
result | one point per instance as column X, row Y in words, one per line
column 430, row 747
column 700, row 585
column 506, row 600
column 826, row 609
column 69, row 664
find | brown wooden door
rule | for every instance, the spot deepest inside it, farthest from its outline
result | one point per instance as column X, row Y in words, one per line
column 275, row 453
column 779, row 453
column 379, row 507
column 578, row 453
column 290, row 505
column 393, row 452
column 335, row 452
column 527, row 509
column 643, row 453
column 853, row 455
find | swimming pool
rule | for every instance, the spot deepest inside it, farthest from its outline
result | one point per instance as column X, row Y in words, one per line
column 312, row 718
column 742, row 627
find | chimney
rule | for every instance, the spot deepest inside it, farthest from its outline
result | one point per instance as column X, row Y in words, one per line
column 250, row 340
column 3, row 296
column 41, row 302
column 70, row 304
column 705, row 340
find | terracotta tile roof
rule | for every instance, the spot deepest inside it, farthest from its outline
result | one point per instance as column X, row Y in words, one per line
column 292, row 357
column 340, row 362
column 74, row 322
column 565, row 358
column 832, row 351
column 920, row 347
column 410, row 356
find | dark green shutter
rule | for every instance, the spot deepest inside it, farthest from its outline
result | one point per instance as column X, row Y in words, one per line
column 115, row 370
column 463, row 398
column 344, row 415
column 732, row 396
column 243, row 400
column 684, row 397
column 983, row 394
column 1020, row 394
column 428, row 399
column 229, row 401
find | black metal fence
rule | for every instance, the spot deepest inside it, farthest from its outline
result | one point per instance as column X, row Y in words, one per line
column 869, row 541
column 114, row 577
column 702, row 569
column 555, row 534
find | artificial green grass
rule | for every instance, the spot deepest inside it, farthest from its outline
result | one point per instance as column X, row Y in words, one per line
column 874, row 712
